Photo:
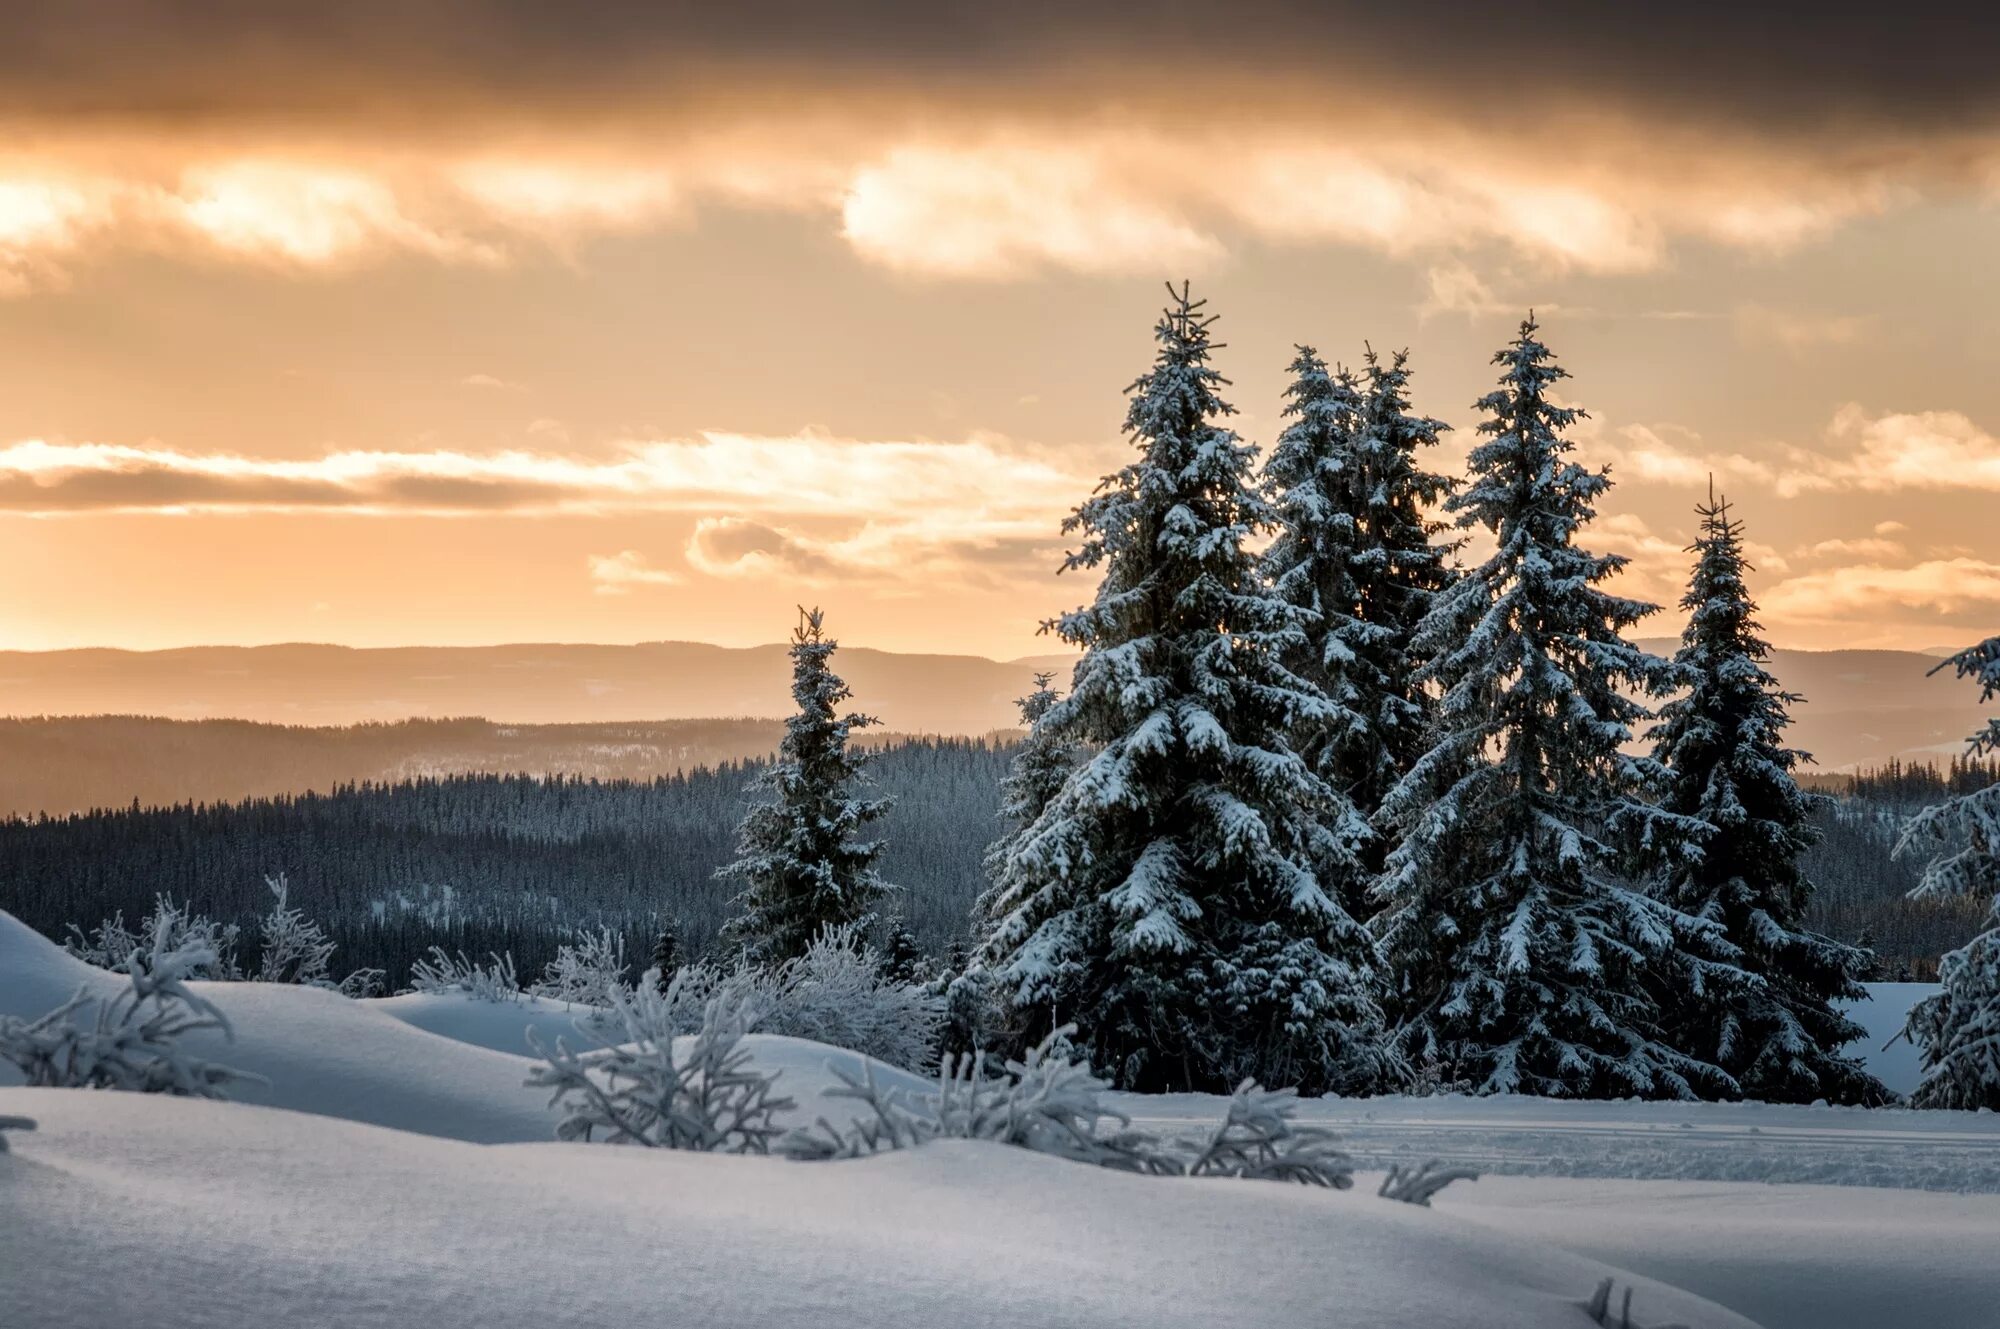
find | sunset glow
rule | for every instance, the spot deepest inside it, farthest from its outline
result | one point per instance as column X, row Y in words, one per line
column 626, row 336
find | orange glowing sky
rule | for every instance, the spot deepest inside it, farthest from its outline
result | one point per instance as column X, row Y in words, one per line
column 464, row 321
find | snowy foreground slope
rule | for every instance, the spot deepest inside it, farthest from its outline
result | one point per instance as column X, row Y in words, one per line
column 235, row 1214
column 219, row 1215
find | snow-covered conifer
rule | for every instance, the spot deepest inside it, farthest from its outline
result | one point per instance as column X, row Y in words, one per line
column 1756, row 997
column 1167, row 899
column 903, row 958
column 1035, row 776
column 1402, row 567
column 1958, row 1029
column 803, row 869
column 667, row 954
column 1517, row 938
column 1314, row 485
column 1358, row 552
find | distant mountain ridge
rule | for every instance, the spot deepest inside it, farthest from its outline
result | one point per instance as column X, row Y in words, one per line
column 1862, row 707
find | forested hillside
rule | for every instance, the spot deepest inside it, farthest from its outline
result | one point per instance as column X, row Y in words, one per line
column 497, row 862
column 491, row 862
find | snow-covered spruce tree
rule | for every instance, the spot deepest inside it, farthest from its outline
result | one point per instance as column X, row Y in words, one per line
column 1518, row 941
column 1356, row 550
column 1958, row 1030
column 1166, row 899
column 804, row 870
column 1403, row 566
column 1313, row 482
column 1757, row 998
column 1035, row 776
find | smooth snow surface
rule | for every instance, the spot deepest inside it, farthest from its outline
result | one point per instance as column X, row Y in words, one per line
column 1791, row 1257
column 130, row 1210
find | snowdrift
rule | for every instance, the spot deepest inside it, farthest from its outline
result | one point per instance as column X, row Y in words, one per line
column 429, row 1063
column 125, row 1209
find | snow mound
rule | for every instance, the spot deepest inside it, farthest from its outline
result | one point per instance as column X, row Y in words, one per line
column 1796, row 1257
column 225, row 1216
column 444, row 1064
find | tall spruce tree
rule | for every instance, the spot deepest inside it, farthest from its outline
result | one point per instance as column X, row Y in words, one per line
column 1756, row 997
column 1958, row 1029
column 803, row 867
column 1401, row 569
column 1357, row 551
column 1519, row 942
column 1314, row 485
column 1167, row 899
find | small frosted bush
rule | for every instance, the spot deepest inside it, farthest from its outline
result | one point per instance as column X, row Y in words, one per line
column 439, row 972
column 586, row 971
column 634, row 1089
column 1052, row 1104
column 132, row 1041
column 296, row 949
column 112, row 943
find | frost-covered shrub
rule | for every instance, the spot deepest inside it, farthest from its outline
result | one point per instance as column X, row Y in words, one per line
column 586, row 971
column 364, row 983
column 112, row 943
column 438, row 972
column 1052, row 1104
column 1417, row 1184
column 13, row 1124
column 635, row 1090
column 133, row 1041
column 1044, row 1102
column 839, row 993
column 296, row 949
column 835, row 993
column 1258, row 1140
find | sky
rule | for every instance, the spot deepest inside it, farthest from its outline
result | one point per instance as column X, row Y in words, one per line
column 465, row 321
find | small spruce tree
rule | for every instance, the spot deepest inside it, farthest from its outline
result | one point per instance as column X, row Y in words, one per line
column 1755, row 997
column 1519, row 942
column 803, row 866
column 1958, row 1029
column 1167, row 900
column 666, row 957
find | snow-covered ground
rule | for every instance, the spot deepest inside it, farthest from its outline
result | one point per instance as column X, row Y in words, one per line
column 349, row 1209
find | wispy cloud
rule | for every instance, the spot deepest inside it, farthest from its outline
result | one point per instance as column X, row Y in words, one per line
column 619, row 573
column 1956, row 588
column 809, row 473
column 1796, row 332
column 1933, row 451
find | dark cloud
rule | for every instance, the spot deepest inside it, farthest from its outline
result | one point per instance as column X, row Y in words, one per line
column 1782, row 65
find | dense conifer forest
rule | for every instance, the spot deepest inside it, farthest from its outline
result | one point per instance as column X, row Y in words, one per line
column 509, row 862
